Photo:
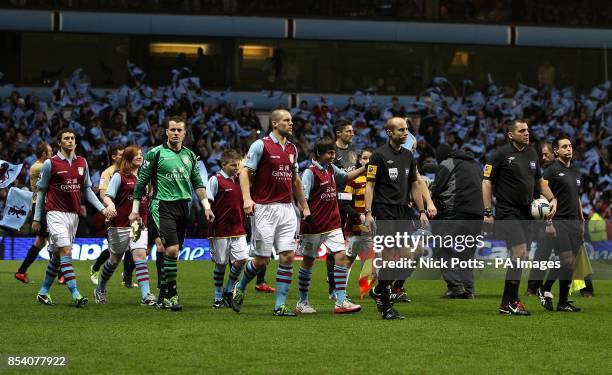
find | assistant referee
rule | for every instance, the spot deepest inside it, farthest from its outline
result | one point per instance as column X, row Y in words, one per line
column 391, row 179
column 511, row 174
column 565, row 182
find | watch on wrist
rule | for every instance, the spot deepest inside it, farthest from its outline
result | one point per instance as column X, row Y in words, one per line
column 366, row 211
column 422, row 212
column 488, row 212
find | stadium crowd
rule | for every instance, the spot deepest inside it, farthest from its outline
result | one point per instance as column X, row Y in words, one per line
column 132, row 115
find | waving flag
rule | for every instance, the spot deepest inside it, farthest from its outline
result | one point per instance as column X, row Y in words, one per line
column 17, row 208
column 8, row 173
column 136, row 72
column 582, row 269
column 440, row 81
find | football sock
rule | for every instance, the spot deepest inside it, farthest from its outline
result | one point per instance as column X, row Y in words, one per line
column 69, row 275
column 233, row 278
column 565, row 279
column 107, row 272
column 53, row 269
column 550, row 280
column 330, row 261
column 29, row 259
column 261, row 276
column 159, row 264
column 170, row 271
column 304, row 276
column 513, row 276
column 382, row 289
column 218, row 276
column 128, row 266
column 340, row 277
column 249, row 273
column 142, row 276
column 283, row 282
column 516, row 285
column 507, row 296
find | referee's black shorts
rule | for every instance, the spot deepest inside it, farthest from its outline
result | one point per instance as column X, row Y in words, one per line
column 173, row 222
column 389, row 213
column 44, row 231
column 514, row 224
column 568, row 236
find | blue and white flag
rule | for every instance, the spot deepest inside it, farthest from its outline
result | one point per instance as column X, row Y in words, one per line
column 440, row 81
column 136, row 72
column 17, row 208
column 8, row 173
column 190, row 83
column 599, row 92
column 176, row 73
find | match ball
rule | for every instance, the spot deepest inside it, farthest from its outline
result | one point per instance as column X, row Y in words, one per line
column 539, row 209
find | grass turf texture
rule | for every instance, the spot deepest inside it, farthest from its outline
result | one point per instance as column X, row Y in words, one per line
column 458, row 336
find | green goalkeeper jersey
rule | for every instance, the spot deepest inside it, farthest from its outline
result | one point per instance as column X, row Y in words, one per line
column 171, row 173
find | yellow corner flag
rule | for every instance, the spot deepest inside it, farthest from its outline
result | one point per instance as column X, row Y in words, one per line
column 582, row 269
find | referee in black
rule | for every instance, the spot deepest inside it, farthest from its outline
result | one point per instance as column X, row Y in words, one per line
column 565, row 182
column 391, row 179
column 511, row 174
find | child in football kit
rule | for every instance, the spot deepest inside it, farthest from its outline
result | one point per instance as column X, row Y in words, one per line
column 227, row 234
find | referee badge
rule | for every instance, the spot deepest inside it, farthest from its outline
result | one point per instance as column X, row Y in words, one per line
column 532, row 164
column 393, row 173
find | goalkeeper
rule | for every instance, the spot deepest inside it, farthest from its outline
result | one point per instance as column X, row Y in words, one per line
column 172, row 170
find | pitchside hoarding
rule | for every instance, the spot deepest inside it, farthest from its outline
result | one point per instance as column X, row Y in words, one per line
column 89, row 248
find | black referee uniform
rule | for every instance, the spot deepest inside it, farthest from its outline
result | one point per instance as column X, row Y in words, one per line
column 565, row 183
column 393, row 172
column 513, row 173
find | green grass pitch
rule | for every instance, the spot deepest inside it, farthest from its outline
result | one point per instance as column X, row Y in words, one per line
column 438, row 336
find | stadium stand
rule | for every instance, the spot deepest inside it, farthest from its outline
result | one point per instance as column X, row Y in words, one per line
column 474, row 121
